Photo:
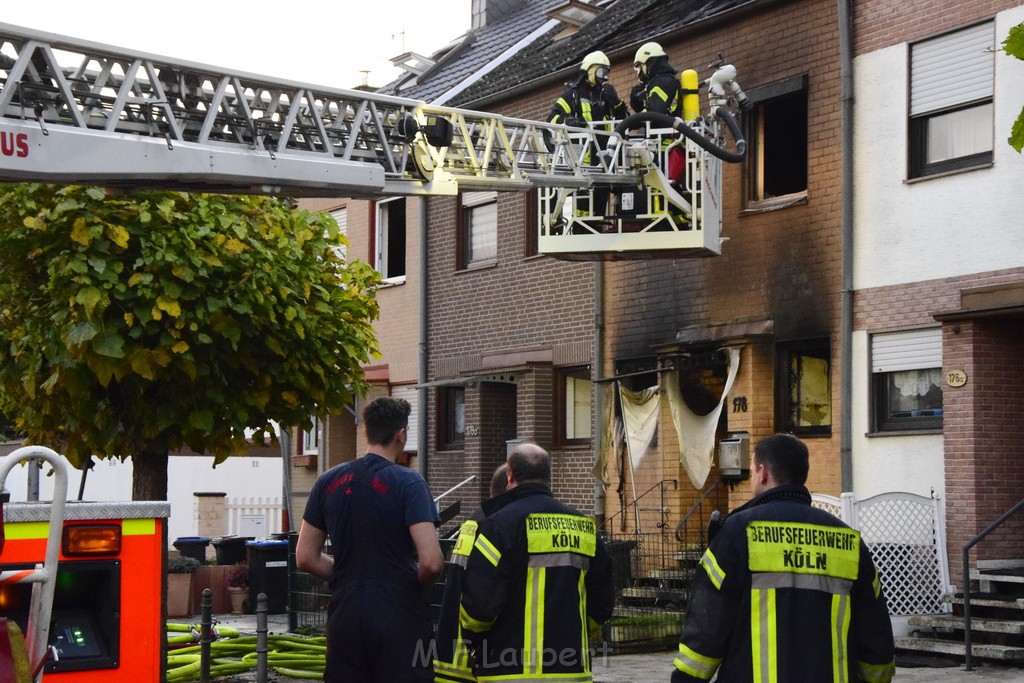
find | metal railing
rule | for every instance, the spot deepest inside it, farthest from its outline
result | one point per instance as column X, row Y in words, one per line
column 967, row 576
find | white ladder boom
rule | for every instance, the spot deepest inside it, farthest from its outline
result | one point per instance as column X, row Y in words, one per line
column 73, row 111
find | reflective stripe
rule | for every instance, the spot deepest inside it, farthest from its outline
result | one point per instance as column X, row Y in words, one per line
column 487, row 549
column 714, row 572
column 470, row 624
column 459, row 560
column 694, row 664
column 877, row 673
column 840, row 631
column 560, row 560
column 25, row 530
column 762, row 635
column 540, row 678
column 813, row 582
column 876, row 584
column 446, row 673
column 467, row 534
column 581, row 592
column 533, row 620
column 660, row 93
column 138, row 527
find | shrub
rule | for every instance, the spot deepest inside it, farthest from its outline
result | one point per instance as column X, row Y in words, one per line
column 237, row 576
column 182, row 565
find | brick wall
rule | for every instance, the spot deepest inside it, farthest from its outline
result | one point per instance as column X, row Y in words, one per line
column 881, row 23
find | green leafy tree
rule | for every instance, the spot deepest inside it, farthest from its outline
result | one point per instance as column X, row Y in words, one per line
column 132, row 326
column 1014, row 46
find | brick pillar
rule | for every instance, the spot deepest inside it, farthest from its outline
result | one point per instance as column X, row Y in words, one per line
column 211, row 516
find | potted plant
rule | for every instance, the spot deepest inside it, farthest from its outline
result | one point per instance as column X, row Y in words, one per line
column 179, row 585
column 237, row 582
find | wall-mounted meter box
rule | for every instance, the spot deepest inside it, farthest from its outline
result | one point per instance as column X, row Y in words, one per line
column 734, row 456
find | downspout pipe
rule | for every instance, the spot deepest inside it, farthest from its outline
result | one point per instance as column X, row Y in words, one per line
column 599, row 373
column 421, row 403
column 847, row 187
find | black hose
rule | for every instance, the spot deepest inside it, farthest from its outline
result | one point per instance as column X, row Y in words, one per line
column 667, row 121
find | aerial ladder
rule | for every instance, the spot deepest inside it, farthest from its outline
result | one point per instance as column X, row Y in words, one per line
column 77, row 112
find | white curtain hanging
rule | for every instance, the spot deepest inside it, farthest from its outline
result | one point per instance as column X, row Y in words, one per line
column 606, row 467
column 697, row 432
column 640, row 415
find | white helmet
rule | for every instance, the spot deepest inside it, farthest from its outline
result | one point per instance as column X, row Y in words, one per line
column 646, row 51
column 595, row 59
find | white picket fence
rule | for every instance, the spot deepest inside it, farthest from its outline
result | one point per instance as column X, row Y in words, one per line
column 257, row 517
column 906, row 534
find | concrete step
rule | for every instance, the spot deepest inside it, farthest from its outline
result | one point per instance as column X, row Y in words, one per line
column 985, row 624
column 956, row 647
column 655, row 593
column 671, row 574
column 1000, row 600
column 998, row 575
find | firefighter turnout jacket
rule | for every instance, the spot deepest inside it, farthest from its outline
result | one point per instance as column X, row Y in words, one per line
column 786, row 593
column 538, row 578
column 451, row 661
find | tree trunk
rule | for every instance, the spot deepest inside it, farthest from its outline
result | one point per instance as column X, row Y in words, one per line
column 149, row 473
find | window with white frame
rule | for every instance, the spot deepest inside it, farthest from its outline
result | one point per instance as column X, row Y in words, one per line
column 573, row 397
column 412, row 395
column 311, row 438
column 389, row 239
column 951, row 112
column 478, row 228
column 906, row 380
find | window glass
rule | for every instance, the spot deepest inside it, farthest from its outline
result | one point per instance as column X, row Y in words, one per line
column 390, row 239
column 574, row 396
column 311, row 438
column 805, row 388
column 478, row 228
column 777, row 132
column 451, row 419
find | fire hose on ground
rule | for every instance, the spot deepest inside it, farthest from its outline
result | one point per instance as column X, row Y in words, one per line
column 223, row 652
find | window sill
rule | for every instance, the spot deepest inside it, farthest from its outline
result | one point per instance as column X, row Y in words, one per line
column 391, row 282
column 775, row 203
column 303, row 461
column 473, row 267
column 903, row 432
column 574, row 446
column 945, row 174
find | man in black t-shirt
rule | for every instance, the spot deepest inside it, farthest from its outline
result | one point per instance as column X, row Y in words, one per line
column 382, row 523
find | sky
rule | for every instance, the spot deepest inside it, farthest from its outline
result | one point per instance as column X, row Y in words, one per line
column 312, row 41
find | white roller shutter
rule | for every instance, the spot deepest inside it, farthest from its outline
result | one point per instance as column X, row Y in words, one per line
column 910, row 350
column 478, row 198
column 410, row 394
column 953, row 69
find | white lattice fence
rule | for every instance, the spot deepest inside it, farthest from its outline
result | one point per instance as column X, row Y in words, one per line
column 906, row 534
column 257, row 517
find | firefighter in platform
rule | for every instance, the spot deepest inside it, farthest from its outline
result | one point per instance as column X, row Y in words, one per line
column 658, row 89
column 537, row 581
column 786, row 592
column 452, row 659
column 589, row 99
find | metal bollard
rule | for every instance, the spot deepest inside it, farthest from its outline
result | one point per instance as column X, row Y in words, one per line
column 205, row 634
column 261, row 638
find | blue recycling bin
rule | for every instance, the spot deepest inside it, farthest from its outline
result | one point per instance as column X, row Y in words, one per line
column 268, row 574
column 192, row 546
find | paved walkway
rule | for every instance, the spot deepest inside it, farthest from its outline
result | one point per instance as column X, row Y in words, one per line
column 657, row 666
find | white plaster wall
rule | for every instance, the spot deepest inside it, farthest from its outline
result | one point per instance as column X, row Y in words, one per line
column 111, row 480
column 940, row 227
column 883, row 464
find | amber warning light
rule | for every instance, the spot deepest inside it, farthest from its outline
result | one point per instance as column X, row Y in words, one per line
column 83, row 540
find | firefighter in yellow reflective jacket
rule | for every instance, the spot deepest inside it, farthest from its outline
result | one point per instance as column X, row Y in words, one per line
column 786, row 593
column 452, row 658
column 537, row 580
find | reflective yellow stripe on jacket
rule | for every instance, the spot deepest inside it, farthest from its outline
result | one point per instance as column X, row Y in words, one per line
column 791, row 555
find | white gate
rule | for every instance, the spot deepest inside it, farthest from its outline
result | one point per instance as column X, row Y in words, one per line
column 257, row 517
column 906, row 534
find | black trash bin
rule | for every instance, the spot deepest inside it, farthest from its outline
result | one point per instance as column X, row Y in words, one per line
column 231, row 549
column 193, row 546
column 622, row 562
column 268, row 573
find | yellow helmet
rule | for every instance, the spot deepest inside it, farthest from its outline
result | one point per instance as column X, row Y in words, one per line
column 646, row 51
column 595, row 59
